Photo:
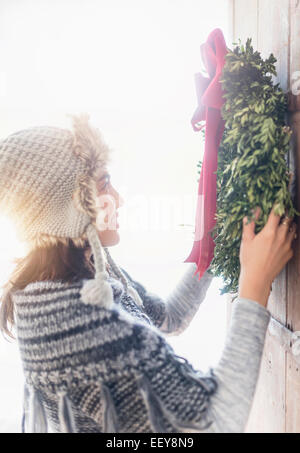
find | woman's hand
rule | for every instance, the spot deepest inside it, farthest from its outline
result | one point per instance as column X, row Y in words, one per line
column 264, row 255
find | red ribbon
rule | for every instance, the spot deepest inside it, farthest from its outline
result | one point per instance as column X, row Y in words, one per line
column 210, row 101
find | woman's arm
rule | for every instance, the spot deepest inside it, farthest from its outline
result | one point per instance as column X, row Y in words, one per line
column 183, row 303
column 238, row 369
column 173, row 315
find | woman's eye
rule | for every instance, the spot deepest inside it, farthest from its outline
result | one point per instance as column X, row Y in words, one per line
column 105, row 184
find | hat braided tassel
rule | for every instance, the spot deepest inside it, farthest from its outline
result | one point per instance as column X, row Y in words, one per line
column 97, row 291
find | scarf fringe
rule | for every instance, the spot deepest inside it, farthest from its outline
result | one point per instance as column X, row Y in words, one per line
column 157, row 409
column 34, row 418
column 110, row 418
column 35, row 421
column 34, row 415
column 65, row 414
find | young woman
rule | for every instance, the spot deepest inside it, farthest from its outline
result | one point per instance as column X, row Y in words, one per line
column 92, row 339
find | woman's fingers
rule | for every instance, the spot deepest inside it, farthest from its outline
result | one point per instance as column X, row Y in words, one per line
column 284, row 227
column 273, row 220
column 284, row 231
column 287, row 246
column 249, row 228
column 291, row 235
column 257, row 212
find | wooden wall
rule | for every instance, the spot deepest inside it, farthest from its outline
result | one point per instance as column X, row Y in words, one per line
column 274, row 26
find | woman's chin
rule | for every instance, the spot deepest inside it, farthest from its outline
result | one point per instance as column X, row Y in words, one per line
column 109, row 238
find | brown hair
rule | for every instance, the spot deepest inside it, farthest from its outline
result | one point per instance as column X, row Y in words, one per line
column 61, row 260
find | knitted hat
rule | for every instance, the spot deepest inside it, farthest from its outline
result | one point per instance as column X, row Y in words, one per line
column 48, row 179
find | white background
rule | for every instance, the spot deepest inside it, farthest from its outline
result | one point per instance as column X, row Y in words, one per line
column 131, row 65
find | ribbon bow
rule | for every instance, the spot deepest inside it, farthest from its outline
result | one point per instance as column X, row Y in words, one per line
column 210, row 100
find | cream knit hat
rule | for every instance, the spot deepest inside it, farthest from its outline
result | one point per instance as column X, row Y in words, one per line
column 48, row 181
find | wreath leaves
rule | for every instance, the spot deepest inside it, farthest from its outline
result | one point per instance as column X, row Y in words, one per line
column 252, row 158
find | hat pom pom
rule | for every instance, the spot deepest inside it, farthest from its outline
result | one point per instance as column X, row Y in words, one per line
column 97, row 291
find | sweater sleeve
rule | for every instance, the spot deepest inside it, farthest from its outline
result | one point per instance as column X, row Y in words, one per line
column 191, row 401
column 184, row 301
column 174, row 315
column 238, row 369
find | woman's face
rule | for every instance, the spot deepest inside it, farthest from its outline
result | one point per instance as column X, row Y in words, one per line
column 108, row 202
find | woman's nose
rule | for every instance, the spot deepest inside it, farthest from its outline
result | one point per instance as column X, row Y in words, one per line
column 120, row 200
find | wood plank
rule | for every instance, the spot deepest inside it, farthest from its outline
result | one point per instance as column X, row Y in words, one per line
column 245, row 21
column 271, row 29
column 293, row 302
column 293, row 308
column 292, row 395
column 288, row 340
column 294, row 35
column 268, row 410
column 230, row 16
column 278, row 298
column 273, row 37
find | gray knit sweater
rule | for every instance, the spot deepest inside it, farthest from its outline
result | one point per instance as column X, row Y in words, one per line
column 94, row 369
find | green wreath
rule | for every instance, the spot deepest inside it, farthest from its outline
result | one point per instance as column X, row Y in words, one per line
column 252, row 167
